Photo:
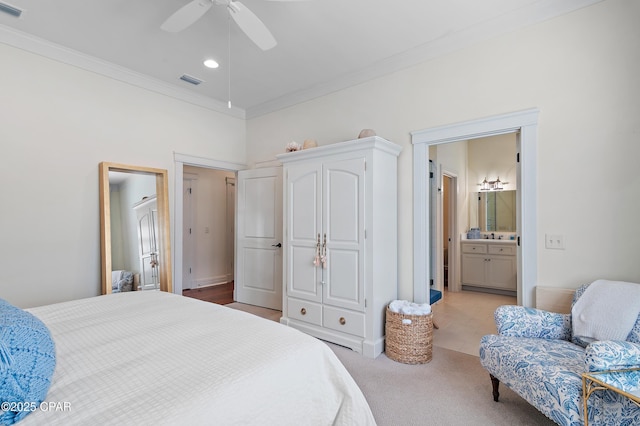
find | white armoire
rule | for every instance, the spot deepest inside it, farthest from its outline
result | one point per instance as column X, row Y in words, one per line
column 340, row 241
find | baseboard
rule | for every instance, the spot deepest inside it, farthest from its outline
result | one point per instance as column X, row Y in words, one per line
column 207, row 282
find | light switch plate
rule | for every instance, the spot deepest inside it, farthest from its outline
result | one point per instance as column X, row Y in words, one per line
column 554, row 241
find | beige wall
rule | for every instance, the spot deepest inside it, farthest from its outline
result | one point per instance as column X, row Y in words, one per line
column 579, row 70
column 57, row 123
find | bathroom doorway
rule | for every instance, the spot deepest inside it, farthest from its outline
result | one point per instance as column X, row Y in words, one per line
column 524, row 125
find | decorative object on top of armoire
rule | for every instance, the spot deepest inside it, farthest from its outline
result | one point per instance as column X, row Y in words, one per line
column 365, row 133
column 340, row 242
column 293, row 146
column 309, row 143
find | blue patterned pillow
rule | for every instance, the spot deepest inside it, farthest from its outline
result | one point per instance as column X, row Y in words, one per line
column 27, row 361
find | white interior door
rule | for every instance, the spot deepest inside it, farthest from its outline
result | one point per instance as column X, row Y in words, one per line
column 258, row 277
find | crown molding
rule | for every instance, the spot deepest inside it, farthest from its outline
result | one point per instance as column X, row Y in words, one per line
column 47, row 49
column 534, row 13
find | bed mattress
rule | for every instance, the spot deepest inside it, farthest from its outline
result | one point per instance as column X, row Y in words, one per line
column 158, row 358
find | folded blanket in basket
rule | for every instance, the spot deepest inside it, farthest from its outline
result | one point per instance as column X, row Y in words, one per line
column 409, row 308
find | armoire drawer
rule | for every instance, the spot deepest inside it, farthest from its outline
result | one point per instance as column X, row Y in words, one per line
column 304, row 310
column 344, row 321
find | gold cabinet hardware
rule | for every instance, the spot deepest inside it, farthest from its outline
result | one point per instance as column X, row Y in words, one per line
column 342, row 321
column 303, row 311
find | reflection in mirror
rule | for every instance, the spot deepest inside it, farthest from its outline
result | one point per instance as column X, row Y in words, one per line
column 495, row 210
column 134, row 219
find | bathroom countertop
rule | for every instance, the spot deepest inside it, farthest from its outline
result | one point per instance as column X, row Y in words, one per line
column 490, row 241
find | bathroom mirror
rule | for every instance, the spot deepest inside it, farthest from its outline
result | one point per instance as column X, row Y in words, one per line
column 495, row 211
column 153, row 247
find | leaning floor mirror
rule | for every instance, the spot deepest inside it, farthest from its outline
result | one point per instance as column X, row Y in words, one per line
column 134, row 228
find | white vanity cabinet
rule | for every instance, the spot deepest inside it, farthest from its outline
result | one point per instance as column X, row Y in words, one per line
column 489, row 264
column 340, row 241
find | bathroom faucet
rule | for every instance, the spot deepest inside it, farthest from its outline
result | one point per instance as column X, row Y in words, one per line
column 493, row 236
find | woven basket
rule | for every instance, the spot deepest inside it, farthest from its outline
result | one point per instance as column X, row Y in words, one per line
column 409, row 343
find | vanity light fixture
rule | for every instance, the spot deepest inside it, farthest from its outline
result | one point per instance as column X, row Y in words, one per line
column 491, row 185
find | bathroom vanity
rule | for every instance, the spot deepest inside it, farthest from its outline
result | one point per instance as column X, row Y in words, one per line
column 489, row 264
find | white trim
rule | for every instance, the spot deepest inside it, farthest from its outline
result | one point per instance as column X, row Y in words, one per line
column 526, row 122
column 180, row 160
column 65, row 55
column 535, row 12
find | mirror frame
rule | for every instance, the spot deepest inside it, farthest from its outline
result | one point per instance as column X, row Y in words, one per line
column 163, row 218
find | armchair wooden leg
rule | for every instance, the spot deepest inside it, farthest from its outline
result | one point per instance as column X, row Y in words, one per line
column 495, row 383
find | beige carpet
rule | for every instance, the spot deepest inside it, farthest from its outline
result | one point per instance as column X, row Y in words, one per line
column 452, row 389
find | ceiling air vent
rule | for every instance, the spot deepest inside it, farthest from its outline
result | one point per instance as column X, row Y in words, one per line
column 10, row 10
column 191, row 79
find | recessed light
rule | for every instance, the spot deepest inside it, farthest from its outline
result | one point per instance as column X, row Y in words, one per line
column 210, row 63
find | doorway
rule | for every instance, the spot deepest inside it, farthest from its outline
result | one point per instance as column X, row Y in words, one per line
column 182, row 161
column 524, row 124
column 208, row 227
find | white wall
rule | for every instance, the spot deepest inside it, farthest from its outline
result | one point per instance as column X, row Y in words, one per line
column 57, row 123
column 580, row 70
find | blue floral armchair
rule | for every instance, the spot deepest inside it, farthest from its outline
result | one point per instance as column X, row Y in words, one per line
column 536, row 356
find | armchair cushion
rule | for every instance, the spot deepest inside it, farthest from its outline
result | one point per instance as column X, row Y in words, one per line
column 611, row 355
column 518, row 321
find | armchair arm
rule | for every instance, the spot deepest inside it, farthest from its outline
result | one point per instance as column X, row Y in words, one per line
column 518, row 321
column 611, row 355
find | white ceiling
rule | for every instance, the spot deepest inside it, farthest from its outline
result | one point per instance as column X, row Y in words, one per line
column 323, row 45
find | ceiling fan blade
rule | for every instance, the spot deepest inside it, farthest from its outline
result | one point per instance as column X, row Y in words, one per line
column 186, row 15
column 252, row 26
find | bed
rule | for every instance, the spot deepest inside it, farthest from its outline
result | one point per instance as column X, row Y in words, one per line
column 152, row 357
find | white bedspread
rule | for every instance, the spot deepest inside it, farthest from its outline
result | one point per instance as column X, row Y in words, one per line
column 150, row 358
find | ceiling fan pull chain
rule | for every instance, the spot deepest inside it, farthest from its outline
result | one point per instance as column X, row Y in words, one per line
column 229, row 60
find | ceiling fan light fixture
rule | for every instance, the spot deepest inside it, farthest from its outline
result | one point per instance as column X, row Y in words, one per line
column 210, row 63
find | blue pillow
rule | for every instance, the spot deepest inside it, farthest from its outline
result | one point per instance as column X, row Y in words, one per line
column 27, row 361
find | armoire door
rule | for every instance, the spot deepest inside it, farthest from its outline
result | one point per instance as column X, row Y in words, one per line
column 304, row 273
column 344, row 232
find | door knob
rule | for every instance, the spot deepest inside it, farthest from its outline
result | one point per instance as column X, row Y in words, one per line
column 276, row 245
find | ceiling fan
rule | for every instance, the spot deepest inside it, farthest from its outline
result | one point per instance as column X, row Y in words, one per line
column 248, row 22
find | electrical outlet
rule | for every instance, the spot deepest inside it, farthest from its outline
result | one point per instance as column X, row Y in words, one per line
column 554, row 241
